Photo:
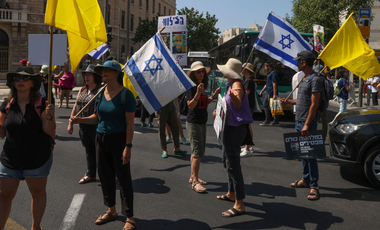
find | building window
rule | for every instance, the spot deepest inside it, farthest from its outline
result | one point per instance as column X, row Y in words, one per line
column 123, row 19
column 132, row 51
column 108, row 13
column 154, row 6
column 139, row 20
column 133, row 1
column 147, row 5
column 45, row 2
column 169, row 12
column 140, row 3
column 132, row 22
column 164, row 10
column 159, row 8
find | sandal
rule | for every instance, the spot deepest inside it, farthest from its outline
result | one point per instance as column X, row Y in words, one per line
column 87, row 179
column 316, row 194
column 130, row 227
column 108, row 217
column 199, row 190
column 297, row 185
column 224, row 197
column 199, row 180
column 233, row 212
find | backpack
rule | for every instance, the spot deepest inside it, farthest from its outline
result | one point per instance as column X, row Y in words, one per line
column 183, row 107
column 329, row 87
column 324, row 99
column 37, row 107
column 337, row 91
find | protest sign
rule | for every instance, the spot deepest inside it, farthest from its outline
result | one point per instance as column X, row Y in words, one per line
column 299, row 147
column 220, row 118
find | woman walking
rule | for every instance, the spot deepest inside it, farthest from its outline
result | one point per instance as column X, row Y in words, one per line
column 237, row 118
column 115, row 113
column 196, row 120
column 344, row 89
column 87, row 132
column 25, row 119
column 66, row 82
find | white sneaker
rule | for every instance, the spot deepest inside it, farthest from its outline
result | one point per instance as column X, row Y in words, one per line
column 245, row 153
column 184, row 141
column 250, row 149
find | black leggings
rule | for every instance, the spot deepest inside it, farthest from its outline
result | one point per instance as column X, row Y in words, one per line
column 109, row 148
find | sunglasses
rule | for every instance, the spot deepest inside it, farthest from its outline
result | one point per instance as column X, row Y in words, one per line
column 19, row 77
column 199, row 71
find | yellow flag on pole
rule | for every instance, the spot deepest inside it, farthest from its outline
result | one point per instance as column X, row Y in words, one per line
column 127, row 83
column 83, row 22
column 348, row 49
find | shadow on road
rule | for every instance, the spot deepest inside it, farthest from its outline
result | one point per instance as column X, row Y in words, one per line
column 183, row 224
column 150, row 185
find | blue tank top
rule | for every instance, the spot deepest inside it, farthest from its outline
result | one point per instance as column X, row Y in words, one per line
column 236, row 117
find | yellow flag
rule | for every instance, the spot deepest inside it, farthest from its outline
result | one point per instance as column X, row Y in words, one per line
column 84, row 23
column 348, row 49
column 127, row 83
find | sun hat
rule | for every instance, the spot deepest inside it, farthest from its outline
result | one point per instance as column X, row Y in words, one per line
column 249, row 67
column 231, row 69
column 26, row 71
column 109, row 64
column 196, row 66
column 45, row 69
column 91, row 69
column 23, row 61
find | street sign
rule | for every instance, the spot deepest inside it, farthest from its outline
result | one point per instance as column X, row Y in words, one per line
column 364, row 21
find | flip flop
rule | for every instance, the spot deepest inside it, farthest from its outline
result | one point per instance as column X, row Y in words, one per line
column 130, row 227
column 316, row 194
column 87, row 179
column 233, row 212
column 109, row 217
column 296, row 185
column 198, row 190
column 199, row 180
column 224, row 197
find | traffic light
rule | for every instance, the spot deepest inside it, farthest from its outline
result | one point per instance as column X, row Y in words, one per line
column 109, row 36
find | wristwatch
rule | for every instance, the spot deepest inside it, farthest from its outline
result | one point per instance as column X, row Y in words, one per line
column 129, row 145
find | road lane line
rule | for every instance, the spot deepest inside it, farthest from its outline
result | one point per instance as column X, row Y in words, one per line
column 72, row 213
column 13, row 225
column 137, row 132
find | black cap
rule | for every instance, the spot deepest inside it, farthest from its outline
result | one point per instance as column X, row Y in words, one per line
column 305, row 55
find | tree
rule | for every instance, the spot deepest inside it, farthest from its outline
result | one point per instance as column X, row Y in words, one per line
column 201, row 32
column 145, row 30
column 326, row 13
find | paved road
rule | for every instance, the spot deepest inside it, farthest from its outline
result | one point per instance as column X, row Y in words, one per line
column 164, row 199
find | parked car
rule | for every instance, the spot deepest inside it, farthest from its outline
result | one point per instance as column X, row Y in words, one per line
column 355, row 140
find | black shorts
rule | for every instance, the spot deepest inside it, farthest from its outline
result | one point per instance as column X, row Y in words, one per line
column 64, row 88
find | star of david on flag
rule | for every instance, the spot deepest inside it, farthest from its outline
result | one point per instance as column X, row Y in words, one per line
column 281, row 41
column 156, row 75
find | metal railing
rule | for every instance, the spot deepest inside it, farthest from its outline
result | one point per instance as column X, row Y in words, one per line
column 4, row 59
column 13, row 15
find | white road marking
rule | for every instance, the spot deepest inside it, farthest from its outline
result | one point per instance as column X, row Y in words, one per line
column 137, row 132
column 58, row 122
column 72, row 213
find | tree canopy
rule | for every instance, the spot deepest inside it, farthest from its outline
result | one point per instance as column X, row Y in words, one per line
column 326, row 13
column 145, row 30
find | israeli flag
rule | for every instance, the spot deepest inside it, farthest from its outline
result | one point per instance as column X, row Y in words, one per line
column 99, row 51
column 281, row 41
column 155, row 74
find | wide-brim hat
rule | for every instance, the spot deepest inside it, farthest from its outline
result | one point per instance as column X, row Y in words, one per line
column 231, row 69
column 45, row 69
column 249, row 67
column 197, row 65
column 91, row 69
column 26, row 71
column 109, row 64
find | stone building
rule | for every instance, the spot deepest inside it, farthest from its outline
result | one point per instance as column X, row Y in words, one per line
column 26, row 17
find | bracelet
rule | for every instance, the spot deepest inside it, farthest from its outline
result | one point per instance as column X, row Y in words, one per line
column 195, row 99
column 212, row 96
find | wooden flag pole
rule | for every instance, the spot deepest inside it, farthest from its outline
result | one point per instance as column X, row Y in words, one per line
column 245, row 66
column 92, row 99
column 50, row 65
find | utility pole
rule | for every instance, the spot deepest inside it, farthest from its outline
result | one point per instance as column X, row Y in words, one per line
column 128, row 24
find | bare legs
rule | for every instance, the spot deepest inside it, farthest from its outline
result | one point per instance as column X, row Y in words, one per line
column 8, row 189
column 64, row 92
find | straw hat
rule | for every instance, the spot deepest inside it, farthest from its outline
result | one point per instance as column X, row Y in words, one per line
column 196, row 66
column 27, row 71
column 248, row 67
column 231, row 69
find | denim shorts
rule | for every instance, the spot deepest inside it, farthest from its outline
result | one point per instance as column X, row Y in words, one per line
column 342, row 105
column 40, row 172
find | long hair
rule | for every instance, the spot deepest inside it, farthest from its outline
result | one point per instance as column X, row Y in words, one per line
column 34, row 93
column 204, row 81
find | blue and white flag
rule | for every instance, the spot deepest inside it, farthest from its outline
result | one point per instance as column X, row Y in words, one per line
column 156, row 76
column 98, row 52
column 281, row 41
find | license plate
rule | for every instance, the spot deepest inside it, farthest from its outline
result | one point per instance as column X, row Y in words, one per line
column 286, row 107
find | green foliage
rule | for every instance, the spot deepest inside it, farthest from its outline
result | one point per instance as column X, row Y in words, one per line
column 201, row 32
column 325, row 13
column 145, row 30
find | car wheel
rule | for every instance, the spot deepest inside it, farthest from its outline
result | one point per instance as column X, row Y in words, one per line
column 372, row 166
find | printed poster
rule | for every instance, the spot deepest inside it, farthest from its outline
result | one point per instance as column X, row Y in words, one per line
column 220, row 118
column 299, row 147
column 319, row 36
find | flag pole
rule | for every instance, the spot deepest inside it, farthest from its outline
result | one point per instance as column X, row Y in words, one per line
column 92, row 99
column 245, row 66
column 50, row 69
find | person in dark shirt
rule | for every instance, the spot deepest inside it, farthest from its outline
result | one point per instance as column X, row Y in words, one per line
column 197, row 100
column 343, row 96
column 272, row 92
column 27, row 151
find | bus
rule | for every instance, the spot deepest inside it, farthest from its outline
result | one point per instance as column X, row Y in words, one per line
column 240, row 47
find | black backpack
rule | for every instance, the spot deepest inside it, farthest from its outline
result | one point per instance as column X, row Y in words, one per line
column 183, row 107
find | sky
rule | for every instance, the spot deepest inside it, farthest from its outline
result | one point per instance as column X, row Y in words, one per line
column 240, row 13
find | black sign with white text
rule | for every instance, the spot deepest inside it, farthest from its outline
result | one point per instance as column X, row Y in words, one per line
column 299, row 147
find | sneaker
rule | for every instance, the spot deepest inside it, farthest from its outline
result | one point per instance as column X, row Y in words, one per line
column 265, row 123
column 243, row 148
column 180, row 152
column 143, row 125
column 275, row 123
column 184, row 141
column 245, row 153
column 150, row 125
column 169, row 140
column 164, row 154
